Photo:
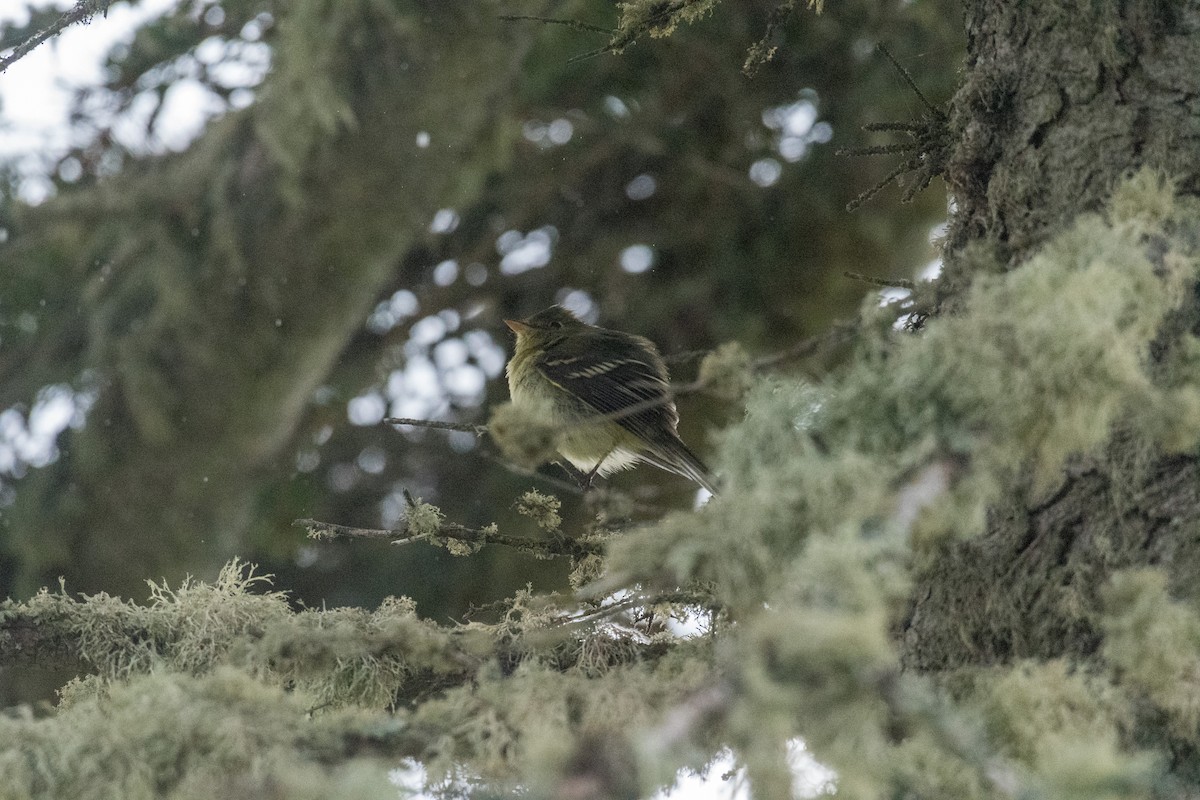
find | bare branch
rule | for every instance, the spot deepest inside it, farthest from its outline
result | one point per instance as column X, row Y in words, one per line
column 570, row 23
column 634, row 601
column 549, row 547
column 876, row 150
column 908, row 78
column 83, row 11
column 466, row 427
column 887, row 283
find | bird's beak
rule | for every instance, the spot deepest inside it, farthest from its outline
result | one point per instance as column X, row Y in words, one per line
column 516, row 325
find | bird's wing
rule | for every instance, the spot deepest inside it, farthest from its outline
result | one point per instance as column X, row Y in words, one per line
column 614, row 373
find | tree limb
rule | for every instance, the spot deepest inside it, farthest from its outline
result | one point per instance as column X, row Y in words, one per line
column 83, row 11
column 551, row 547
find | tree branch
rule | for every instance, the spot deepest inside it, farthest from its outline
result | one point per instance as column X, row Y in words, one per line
column 887, row 283
column 83, row 10
column 551, row 547
column 478, row 430
column 570, row 23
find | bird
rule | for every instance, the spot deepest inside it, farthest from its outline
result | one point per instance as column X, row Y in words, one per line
column 607, row 391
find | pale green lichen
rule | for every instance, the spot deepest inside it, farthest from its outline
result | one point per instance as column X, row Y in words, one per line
column 457, row 547
column 586, row 570
column 168, row 735
column 1041, row 365
column 541, row 508
column 727, row 372
column 1153, row 642
column 810, row 556
column 524, row 434
column 423, row 519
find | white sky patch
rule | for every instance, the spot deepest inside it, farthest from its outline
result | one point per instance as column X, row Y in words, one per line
column 548, row 134
column 444, row 221
column 371, row 460
column 688, row 622
column 490, row 356
column 366, row 409
column 187, row 107
column 937, row 234
column 810, row 778
column 450, row 353
column 36, row 92
column 642, row 187
column 616, row 107
column 415, row 390
column 465, row 383
column 766, row 172
column 30, row 441
column 476, row 273
column 637, row 258
column 797, row 126
column 391, row 312
column 579, row 303
column 523, row 252
column 560, row 131
column 446, row 272
column 893, row 294
column 428, row 331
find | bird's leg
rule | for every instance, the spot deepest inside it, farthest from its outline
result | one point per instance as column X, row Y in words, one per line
column 592, row 472
column 584, row 479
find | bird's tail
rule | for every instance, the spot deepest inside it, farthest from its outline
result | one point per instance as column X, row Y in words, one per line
column 674, row 456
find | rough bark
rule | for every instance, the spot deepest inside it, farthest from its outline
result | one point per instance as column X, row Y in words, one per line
column 1060, row 99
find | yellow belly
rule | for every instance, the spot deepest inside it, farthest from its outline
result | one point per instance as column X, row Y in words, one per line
column 584, row 443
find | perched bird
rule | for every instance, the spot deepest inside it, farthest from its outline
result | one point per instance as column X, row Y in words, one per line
column 608, row 392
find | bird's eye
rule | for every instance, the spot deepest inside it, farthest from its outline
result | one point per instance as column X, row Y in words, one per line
column 556, row 324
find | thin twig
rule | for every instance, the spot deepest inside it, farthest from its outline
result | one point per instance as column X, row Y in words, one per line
column 905, row 127
column 805, row 347
column 554, row 547
column 877, row 149
column 636, row 601
column 82, row 11
column 908, row 78
column 516, row 469
column 465, row 427
column 684, row 356
column 901, row 168
column 570, row 23
column 599, row 51
column 887, row 283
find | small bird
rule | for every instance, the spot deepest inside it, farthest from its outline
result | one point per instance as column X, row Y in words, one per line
column 607, row 390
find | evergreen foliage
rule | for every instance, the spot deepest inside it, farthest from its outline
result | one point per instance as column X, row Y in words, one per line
column 960, row 563
column 807, row 560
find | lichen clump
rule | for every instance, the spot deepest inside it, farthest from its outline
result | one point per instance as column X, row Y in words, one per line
column 541, row 508
column 523, row 434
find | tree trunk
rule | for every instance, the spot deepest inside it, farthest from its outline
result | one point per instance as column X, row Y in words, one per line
column 1059, row 101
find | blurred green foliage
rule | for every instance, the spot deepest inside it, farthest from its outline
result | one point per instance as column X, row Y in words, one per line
column 219, row 307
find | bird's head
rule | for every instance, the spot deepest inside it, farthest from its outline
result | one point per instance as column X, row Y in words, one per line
column 545, row 326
